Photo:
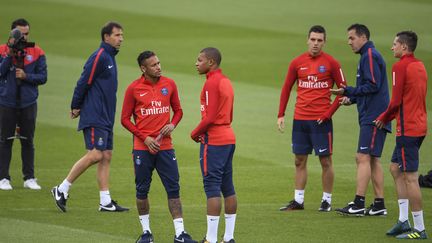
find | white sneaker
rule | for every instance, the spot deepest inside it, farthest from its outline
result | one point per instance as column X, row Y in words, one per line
column 31, row 184
column 5, row 184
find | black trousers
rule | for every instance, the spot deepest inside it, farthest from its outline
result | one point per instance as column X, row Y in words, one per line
column 25, row 119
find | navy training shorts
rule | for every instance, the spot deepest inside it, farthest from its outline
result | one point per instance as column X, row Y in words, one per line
column 308, row 135
column 165, row 163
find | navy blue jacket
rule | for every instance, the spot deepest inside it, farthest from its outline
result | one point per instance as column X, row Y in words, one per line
column 371, row 92
column 96, row 90
column 35, row 68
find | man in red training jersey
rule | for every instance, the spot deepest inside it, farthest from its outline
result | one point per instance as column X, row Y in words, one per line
column 217, row 139
column 408, row 106
column 315, row 73
column 149, row 100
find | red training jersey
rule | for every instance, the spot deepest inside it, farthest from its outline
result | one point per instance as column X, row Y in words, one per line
column 217, row 101
column 315, row 76
column 408, row 102
column 150, row 105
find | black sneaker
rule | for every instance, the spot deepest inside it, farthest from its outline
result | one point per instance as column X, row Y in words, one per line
column 325, row 206
column 184, row 237
column 372, row 210
column 230, row 241
column 112, row 207
column 351, row 210
column 292, row 205
column 399, row 228
column 146, row 237
column 59, row 198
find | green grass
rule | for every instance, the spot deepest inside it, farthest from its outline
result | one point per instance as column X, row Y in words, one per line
column 257, row 39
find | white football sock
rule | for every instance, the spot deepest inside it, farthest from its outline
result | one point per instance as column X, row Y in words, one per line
column 299, row 196
column 105, row 198
column 212, row 228
column 418, row 220
column 327, row 197
column 64, row 186
column 145, row 222
column 229, row 226
column 178, row 226
column 403, row 209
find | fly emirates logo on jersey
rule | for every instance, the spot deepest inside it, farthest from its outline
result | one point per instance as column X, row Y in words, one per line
column 155, row 109
column 313, row 83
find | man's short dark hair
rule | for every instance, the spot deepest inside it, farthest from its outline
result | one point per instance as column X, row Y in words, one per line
column 212, row 53
column 108, row 28
column 408, row 38
column 317, row 29
column 144, row 56
column 360, row 29
column 19, row 22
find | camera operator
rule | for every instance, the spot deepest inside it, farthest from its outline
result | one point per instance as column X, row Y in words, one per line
column 22, row 69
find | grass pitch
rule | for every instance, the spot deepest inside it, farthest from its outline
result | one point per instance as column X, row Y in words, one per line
column 257, row 39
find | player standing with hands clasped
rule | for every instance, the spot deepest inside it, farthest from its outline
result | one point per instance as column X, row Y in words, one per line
column 315, row 73
column 149, row 100
column 408, row 106
column 217, row 139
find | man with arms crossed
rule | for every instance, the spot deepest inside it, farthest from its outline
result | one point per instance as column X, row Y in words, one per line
column 315, row 72
column 408, row 106
column 148, row 100
column 372, row 97
column 217, row 139
column 94, row 100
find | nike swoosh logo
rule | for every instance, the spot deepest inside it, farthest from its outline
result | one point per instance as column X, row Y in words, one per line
column 321, row 150
column 362, row 148
column 57, row 197
column 371, row 212
column 355, row 211
column 110, row 66
column 180, row 240
column 112, row 208
column 143, row 94
column 303, row 68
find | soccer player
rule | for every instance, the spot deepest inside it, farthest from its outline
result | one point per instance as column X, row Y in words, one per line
column 94, row 100
column 217, row 139
column 372, row 97
column 148, row 100
column 315, row 73
column 408, row 106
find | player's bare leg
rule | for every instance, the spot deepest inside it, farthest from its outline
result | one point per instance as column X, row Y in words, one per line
column 91, row 157
column 413, row 190
column 175, row 208
column 327, row 173
column 214, row 206
column 231, row 204
column 377, row 177
column 103, row 170
column 399, row 180
column 301, row 171
column 363, row 173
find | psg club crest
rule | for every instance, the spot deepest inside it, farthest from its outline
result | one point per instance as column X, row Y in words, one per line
column 322, row 69
column 29, row 58
column 138, row 160
column 100, row 142
column 164, row 91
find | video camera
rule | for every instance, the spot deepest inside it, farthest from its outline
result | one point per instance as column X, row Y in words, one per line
column 20, row 42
